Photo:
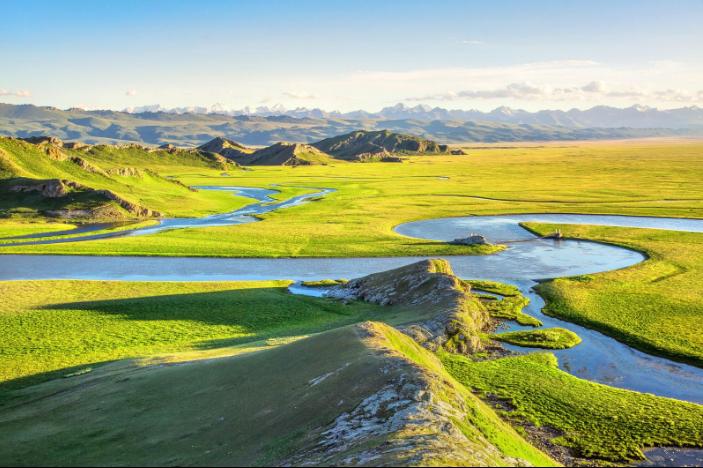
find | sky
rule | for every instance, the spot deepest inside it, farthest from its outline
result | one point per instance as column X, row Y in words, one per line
column 348, row 55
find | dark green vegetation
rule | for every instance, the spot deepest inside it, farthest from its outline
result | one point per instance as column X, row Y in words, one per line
column 595, row 421
column 188, row 129
column 655, row 306
column 548, row 338
column 272, row 407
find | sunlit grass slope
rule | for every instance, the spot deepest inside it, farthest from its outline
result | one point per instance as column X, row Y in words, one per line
column 53, row 325
column 271, row 408
column 594, row 420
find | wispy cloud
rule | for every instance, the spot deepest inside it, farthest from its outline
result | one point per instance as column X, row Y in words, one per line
column 472, row 42
column 131, row 92
column 299, row 95
column 16, row 93
column 591, row 90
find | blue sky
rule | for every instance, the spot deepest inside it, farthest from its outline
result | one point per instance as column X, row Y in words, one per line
column 352, row 54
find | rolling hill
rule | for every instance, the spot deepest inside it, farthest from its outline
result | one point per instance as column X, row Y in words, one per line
column 285, row 154
column 358, row 145
column 46, row 177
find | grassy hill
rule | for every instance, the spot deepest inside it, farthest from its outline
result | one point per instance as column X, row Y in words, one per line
column 356, row 145
column 286, row 154
column 101, row 182
column 258, row 409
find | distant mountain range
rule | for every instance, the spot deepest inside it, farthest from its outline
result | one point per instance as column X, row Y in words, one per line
column 193, row 127
column 599, row 116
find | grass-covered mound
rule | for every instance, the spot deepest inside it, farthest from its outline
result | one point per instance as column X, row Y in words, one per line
column 594, row 420
column 548, row 338
column 281, row 406
column 286, row 154
column 504, row 301
column 655, row 306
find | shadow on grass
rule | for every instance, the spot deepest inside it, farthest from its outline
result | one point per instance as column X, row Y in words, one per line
column 253, row 314
column 252, row 309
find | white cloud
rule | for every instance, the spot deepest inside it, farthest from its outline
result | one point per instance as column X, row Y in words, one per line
column 17, row 93
column 131, row 92
column 301, row 95
column 472, row 42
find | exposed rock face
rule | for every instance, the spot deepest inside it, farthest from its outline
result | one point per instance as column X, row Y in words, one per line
column 44, row 140
column 458, row 152
column 75, row 145
column 168, row 147
column 87, row 166
column 411, row 421
column 125, row 171
column 132, row 208
column 473, row 239
column 452, row 317
column 378, row 156
column 51, row 188
column 57, row 188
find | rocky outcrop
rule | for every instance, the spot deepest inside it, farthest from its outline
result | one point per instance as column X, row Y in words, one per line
column 57, row 188
column 457, row 152
column 85, row 165
column 472, row 239
column 129, row 206
column 51, row 188
column 44, row 140
column 450, row 317
column 125, row 172
column 76, row 145
column 413, row 420
column 168, row 147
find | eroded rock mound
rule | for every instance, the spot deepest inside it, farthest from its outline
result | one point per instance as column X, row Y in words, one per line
column 450, row 316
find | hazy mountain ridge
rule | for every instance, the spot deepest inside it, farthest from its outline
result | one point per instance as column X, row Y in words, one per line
column 598, row 116
column 193, row 129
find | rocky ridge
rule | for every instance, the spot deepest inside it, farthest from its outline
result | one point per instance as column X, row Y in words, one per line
column 452, row 317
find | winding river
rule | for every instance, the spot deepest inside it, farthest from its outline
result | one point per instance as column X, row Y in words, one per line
column 598, row 358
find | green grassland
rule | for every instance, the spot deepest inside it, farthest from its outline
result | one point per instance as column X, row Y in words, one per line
column 549, row 338
column 595, row 420
column 66, row 328
column 185, row 414
column 637, row 178
column 655, row 306
column 52, row 325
